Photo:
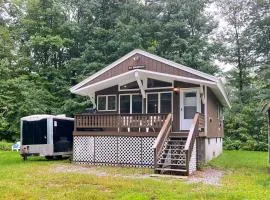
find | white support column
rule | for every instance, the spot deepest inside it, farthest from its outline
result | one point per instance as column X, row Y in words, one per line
column 138, row 79
column 92, row 99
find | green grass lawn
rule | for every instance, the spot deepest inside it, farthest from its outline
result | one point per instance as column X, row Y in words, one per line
column 245, row 177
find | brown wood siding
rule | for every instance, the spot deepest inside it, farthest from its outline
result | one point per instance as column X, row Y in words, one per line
column 214, row 125
column 150, row 64
column 175, row 96
column 176, row 112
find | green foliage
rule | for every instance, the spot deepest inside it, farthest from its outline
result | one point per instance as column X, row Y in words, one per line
column 5, row 146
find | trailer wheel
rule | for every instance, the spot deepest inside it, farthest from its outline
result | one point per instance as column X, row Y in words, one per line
column 59, row 157
column 49, row 157
column 24, row 157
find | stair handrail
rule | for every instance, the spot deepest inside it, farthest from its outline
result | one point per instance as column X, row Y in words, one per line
column 161, row 138
column 193, row 133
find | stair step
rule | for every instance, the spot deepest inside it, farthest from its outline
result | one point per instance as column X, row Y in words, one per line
column 172, row 159
column 174, row 154
column 172, row 170
column 175, row 149
column 171, row 164
column 176, row 145
column 177, row 140
column 181, row 150
column 179, row 134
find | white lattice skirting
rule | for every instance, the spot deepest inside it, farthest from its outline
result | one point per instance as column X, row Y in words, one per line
column 193, row 160
column 114, row 150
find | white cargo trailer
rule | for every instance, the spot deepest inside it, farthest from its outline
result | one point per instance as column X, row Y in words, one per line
column 46, row 135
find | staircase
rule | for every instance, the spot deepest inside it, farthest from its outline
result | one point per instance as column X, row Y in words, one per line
column 175, row 153
column 173, row 158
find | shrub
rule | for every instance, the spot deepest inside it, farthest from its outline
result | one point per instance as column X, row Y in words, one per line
column 5, row 146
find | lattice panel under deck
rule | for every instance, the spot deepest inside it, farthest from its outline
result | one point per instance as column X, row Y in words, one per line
column 105, row 149
column 148, row 153
column 129, row 149
column 110, row 150
column 83, row 149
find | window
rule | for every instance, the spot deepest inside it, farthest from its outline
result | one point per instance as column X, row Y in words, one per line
column 124, row 103
column 159, row 102
column 152, row 103
column 130, row 86
column 153, row 83
column 136, row 103
column 131, row 103
column 190, row 104
column 106, row 102
column 219, row 111
column 165, row 102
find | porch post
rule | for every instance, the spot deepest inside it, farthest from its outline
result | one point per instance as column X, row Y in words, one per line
column 92, row 99
column 202, row 93
column 138, row 79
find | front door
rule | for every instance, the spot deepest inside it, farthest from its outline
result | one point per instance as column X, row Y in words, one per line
column 189, row 105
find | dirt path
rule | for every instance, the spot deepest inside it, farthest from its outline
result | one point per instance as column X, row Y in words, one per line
column 207, row 176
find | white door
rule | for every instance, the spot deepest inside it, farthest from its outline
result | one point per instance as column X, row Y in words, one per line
column 189, row 105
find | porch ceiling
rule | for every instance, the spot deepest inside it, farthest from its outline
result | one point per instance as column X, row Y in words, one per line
column 130, row 76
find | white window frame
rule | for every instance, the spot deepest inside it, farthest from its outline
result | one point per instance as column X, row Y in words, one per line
column 159, row 100
column 130, row 99
column 106, row 103
column 157, row 88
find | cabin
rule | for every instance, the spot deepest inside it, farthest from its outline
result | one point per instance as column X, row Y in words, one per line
column 266, row 109
column 151, row 112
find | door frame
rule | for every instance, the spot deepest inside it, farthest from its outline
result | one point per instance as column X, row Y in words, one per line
column 181, row 91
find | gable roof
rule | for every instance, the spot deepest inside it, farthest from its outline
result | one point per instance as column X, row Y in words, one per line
column 149, row 55
column 218, row 84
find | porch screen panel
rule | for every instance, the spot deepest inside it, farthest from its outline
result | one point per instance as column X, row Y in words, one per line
column 190, row 104
column 124, row 103
column 152, row 103
column 165, row 103
column 136, row 103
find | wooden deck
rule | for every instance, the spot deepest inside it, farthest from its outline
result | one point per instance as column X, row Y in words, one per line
column 119, row 122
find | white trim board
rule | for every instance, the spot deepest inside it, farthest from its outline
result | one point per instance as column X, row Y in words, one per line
column 149, row 55
column 217, row 86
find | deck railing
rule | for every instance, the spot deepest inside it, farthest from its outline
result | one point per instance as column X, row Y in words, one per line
column 193, row 133
column 162, row 138
column 119, row 121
